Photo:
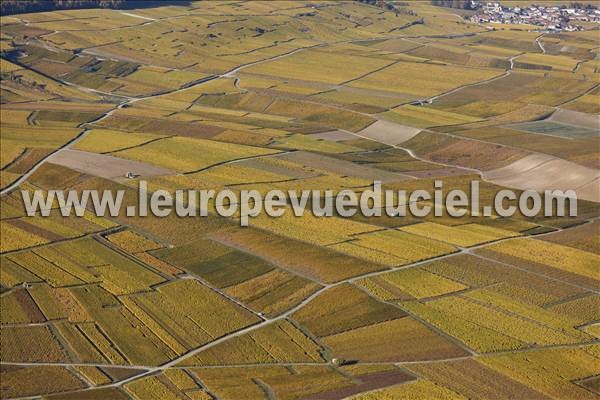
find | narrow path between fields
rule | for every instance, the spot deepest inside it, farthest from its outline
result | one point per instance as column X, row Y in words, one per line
column 538, row 40
column 151, row 370
column 130, row 100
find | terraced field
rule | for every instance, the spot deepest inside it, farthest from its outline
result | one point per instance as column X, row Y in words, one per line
column 294, row 95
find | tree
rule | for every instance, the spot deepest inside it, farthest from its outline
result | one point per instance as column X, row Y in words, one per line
column 23, row 6
column 461, row 4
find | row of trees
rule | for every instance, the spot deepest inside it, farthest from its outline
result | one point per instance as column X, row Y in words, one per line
column 25, row 6
column 384, row 4
column 582, row 5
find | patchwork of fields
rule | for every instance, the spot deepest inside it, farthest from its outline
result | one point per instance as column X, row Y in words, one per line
column 294, row 95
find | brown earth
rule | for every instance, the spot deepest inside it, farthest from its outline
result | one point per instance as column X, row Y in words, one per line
column 334, row 136
column 104, row 166
column 577, row 118
column 389, row 133
column 544, row 172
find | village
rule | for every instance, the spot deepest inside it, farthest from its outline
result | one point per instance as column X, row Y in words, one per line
column 555, row 18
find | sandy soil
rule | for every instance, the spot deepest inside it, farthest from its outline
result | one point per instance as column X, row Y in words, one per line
column 569, row 117
column 342, row 167
column 518, row 167
column 334, row 136
column 104, row 166
column 389, row 133
column 543, row 172
column 590, row 190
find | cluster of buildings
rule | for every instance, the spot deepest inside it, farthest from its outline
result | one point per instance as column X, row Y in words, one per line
column 554, row 18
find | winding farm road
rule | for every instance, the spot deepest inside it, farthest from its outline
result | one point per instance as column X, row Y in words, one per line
column 540, row 44
column 150, row 370
column 67, row 145
column 493, row 79
column 35, row 167
column 128, row 101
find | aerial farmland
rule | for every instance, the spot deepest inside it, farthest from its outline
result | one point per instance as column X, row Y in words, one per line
column 328, row 97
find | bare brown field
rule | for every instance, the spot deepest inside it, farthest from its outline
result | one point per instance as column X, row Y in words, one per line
column 18, row 307
column 542, row 172
column 576, row 118
column 105, row 166
column 389, row 132
column 35, row 230
column 334, row 136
